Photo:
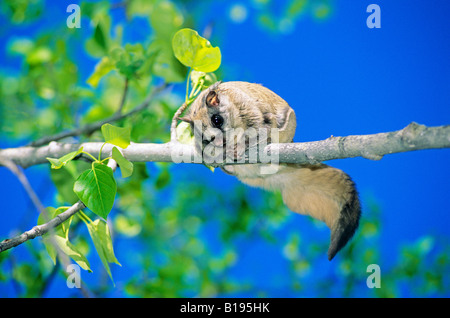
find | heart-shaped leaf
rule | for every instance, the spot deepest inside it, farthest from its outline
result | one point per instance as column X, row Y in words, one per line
column 101, row 237
column 195, row 51
column 184, row 133
column 126, row 167
column 60, row 238
column 117, row 136
column 97, row 188
column 72, row 251
column 61, row 162
column 63, row 180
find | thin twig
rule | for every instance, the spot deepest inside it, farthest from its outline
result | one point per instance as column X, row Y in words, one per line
column 124, row 96
column 24, row 181
column 42, row 229
column 28, row 189
column 31, row 234
column 90, row 128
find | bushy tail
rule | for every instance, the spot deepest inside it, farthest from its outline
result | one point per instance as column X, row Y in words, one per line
column 327, row 194
column 347, row 223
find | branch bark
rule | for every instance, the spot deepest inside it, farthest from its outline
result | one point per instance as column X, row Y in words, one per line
column 374, row 147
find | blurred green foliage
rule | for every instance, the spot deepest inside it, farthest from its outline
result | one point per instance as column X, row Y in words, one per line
column 175, row 232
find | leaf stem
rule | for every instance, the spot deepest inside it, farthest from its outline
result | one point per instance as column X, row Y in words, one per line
column 187, row 85
column 100, row 152
column 62, row 207
column 84, row 217
column 195, row 90
column 87, row 153
column 105, row 159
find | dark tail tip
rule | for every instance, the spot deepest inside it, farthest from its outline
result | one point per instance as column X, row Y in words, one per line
column 346, row 225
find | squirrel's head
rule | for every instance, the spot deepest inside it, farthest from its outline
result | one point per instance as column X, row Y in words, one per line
column 228, row 118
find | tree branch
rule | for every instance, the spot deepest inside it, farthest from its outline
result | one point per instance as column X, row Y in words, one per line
column 42, row 229
column 374, row 147
column 28, row 189
column 124, row 96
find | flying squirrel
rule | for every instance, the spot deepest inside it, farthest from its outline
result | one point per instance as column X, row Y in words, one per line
column 318, row 190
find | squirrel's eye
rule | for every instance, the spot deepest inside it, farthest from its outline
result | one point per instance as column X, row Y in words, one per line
column 217, row 120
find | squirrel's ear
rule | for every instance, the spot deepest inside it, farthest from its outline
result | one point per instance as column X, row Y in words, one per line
column 286, row 123
column 212, row 99
column 285, row 118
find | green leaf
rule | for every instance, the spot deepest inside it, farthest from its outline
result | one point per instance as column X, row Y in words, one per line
column 100, row 43
column 165, row 65
column 100, row 18
column 44, row 218
column 62, row 230
column 48, row 245
column 203, row 79
column 126, row 167
column 117, row 136
column 101, row 237
column 140, row 8
column 295, row 8
column 21, row 46
column 63, row 180
column 39, row 55
column 163, row 179
column 127, row 226
column 197, row 77
column 102, row 68
column 184, row 133
column 165, row 19
column 60, row 237
column 321, row 11
column 97, row 188
column 267, row 21
column 99, row 37
column 72, row 251
column 129, row 60
column 195, row 51
column 210, row 78
column 61, row 162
